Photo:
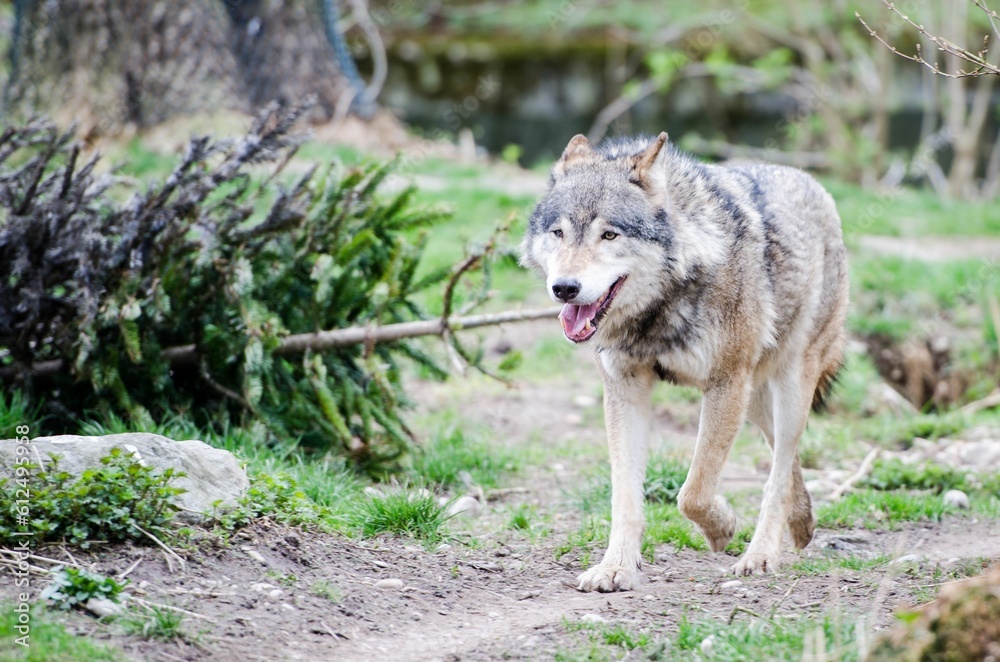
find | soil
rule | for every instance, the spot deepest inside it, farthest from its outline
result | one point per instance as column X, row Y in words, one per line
column 492, row 592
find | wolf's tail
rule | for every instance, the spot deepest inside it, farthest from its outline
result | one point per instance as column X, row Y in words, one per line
column 824, row 387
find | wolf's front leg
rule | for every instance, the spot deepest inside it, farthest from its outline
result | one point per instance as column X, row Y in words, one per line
column 627, row 415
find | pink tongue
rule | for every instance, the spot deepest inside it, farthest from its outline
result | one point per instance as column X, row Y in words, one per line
column 574, row 318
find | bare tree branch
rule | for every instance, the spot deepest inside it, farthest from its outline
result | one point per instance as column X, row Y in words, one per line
column 325, row 340
column 982, row 65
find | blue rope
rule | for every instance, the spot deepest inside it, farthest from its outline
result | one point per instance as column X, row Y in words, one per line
column 361, row 104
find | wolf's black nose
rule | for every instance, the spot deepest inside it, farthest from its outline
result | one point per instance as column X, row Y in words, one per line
column 566, row 290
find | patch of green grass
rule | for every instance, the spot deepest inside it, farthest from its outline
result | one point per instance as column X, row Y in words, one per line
column 156, row 623
column 764, row 638
column 593, row 531
column 987, row 505
column 665, row 525
column 664, row 478
column 893, row 474
column 14, row 412
column 453, row 452
column 825, row 564
column 521, row 518
column 601, row 636
column 877, row 509
column 622, row 637
column 405, row 513
column 49, row 641
column 910, row 212
column 328, row 591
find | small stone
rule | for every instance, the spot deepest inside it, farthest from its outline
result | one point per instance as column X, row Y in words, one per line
column 276, row 593
column 261, row 587
column 468, row 506
column 731, row 585
column 708, row 645
column 584, row 401
column 649, row 596
column 287, row 607
column 593, row 619
column 573, row 419
column 374, row 492
column 391, row 584
column 256, row 556
column 102, row 607
column 419, row 494
column 907, row 558
column 983, row 454
column 956, row 499
column 443, row 547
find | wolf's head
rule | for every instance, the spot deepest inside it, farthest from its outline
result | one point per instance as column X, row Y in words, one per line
column 600, row 235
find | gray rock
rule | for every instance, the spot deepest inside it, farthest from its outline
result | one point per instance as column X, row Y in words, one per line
column 956, row 499
column 390, row 584
column 731, row 585
column 102, row 607
column 468, row 506
column 593, row 619
column 212, row 474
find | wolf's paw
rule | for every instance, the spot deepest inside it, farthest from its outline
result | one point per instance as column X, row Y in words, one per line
column 753, row 562
column 720, row 525
column 802, row 525
column 608, row 578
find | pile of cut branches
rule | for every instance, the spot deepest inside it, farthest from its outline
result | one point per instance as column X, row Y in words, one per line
column 177, row 300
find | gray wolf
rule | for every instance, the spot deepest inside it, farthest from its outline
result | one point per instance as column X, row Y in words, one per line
column 730, row 278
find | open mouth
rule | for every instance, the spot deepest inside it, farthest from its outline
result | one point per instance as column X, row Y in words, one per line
column 580, row 322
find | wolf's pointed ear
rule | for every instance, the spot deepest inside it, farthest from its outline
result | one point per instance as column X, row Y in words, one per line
column 649, row 163
column 579, row 148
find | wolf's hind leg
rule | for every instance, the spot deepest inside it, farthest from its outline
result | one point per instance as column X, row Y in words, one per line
column 722, row 412
column 801, row 520
column 790, row 408
column 628, row 417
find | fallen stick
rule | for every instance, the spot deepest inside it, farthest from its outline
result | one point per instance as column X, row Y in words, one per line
column 990, row 401
column 863, row 470
column 324, row 340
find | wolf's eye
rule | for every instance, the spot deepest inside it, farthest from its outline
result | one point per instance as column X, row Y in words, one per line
column 609, row 235
column 557, row 233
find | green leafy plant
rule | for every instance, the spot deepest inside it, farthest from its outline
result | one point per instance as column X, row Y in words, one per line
column 279, row 497
column 72, row 587
column 111, row 502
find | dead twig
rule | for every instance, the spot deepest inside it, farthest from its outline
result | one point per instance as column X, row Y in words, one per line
column 123, row 575
column 737, row 609
column 863, row 470
column 990, row 401
column 20, row 555
column 156, row 605
column 166, row 550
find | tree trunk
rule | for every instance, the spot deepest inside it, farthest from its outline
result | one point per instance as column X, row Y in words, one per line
column 105, row 64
